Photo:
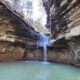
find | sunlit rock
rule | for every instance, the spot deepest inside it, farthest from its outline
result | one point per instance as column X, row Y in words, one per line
column 75, row 31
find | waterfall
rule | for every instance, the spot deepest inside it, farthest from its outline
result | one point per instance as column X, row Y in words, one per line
column 44, row 43
column 45, row 52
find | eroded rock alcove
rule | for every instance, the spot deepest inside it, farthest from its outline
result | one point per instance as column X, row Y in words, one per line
column 64, row 22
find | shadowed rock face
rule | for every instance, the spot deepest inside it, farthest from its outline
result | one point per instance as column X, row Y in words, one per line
column 63, row 15
column 64, row 21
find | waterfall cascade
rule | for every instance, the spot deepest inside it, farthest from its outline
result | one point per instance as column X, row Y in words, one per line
column 44, row 42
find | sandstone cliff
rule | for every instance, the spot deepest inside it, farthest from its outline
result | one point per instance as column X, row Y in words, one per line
column 64, row 22
column 63, row 19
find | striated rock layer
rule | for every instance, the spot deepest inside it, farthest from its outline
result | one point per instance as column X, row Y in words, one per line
column 63, row 16
column 17, row 38
column 15, row 35
column 64, row 22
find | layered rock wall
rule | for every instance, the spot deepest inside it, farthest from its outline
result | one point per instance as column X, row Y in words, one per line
column 15, row 39
column 63, row 15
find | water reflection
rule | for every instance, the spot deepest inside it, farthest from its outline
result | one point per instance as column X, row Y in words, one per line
column 43, row 75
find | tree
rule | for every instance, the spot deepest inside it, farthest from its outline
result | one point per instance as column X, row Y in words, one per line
column 28, row 6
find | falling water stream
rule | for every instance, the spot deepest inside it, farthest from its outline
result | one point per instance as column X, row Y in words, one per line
column 44, row 42
column 45, row 52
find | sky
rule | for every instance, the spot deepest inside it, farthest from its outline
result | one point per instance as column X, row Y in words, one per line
column 39, row 11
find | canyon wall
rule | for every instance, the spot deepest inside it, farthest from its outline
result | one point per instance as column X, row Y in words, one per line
column 63, row 15
column 64, row 22
column 18, row 43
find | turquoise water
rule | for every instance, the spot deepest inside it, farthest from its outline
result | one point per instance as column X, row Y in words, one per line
column 38, row 71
